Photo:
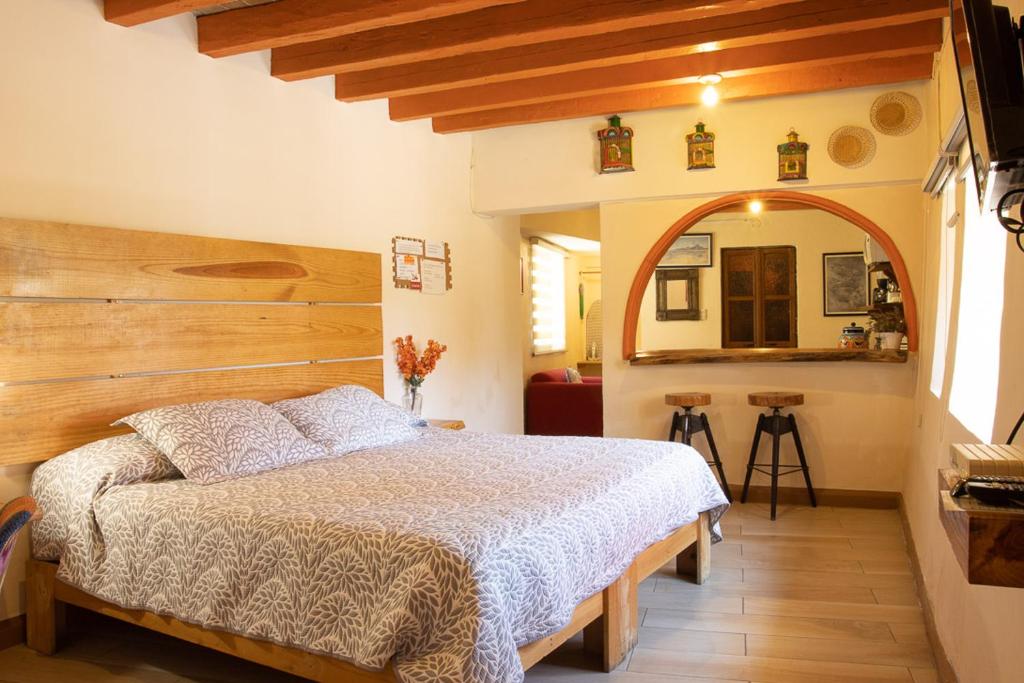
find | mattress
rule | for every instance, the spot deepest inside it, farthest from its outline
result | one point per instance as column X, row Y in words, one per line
column 445, row 553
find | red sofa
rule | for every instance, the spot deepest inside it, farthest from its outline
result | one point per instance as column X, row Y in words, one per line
column 558, row 408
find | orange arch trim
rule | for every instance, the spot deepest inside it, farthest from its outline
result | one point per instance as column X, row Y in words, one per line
column 657, row 252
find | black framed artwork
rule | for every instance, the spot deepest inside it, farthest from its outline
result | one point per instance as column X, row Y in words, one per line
column 845, row 283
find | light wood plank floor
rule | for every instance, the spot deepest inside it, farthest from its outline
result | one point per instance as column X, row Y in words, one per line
column 820, row 595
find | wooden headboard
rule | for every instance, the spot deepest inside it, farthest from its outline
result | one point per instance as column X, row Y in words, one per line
column 97, row 323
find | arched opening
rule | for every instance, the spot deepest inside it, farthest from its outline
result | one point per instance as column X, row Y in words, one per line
column 658, row 251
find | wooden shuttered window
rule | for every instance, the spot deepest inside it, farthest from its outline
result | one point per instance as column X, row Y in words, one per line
column 759, row 297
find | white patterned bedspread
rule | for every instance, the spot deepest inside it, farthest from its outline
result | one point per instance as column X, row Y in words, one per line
column 446, row 553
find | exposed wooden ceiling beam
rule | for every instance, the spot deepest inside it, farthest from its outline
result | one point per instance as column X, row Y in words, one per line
column 297, row 21
column 134, row 12
column 526, row 23
column 892, row 41
column 795, row 81
column 785, row 22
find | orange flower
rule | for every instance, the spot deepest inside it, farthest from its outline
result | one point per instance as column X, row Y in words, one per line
column 415, row 369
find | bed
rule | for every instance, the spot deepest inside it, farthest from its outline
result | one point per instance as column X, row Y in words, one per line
column 515, row 543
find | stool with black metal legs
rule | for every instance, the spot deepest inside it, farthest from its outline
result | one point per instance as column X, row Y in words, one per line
column 688, row 424
column 776, row 425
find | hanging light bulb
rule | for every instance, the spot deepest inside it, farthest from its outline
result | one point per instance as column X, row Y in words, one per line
column 755, row 206
column 710, row 95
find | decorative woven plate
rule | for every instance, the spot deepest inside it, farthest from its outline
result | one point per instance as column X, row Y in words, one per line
column 972, row 96
column 851, row 146
column 896, row 113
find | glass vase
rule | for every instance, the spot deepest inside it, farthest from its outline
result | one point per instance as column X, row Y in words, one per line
column 413, row 401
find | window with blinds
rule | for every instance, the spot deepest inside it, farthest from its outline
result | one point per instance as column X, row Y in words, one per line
column 547, row 284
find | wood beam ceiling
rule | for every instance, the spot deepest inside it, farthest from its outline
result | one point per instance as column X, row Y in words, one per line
column 893, row 41
column 518, row 25
column 472, row 64
column 134, row 12
column 791, row 21
column 790, row 82
column 299, row 21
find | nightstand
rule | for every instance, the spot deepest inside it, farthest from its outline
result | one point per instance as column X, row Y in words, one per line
column 448, row 424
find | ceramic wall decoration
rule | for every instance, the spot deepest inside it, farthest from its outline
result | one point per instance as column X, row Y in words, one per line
column 616, row 147
column 793, row 158
column 700, row 148
column 851, row 146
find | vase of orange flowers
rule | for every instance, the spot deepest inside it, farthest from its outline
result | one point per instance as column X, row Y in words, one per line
column 415, row 368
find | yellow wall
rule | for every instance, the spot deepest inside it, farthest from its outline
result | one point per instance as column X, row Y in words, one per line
column 133, row 128
column 855, row 419
column 981, row 628
column 857, row 415
column 812, row 232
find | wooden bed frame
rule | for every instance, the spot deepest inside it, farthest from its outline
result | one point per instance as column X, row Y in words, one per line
column 195, row 319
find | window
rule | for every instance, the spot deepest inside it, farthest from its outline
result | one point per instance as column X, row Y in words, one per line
column 975, row 386
column 759, row 297
column 547, row 278
column 944, row 291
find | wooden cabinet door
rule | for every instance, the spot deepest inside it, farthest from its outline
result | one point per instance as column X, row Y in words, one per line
column 759, row 297
column 778, row 297
column 739, row 298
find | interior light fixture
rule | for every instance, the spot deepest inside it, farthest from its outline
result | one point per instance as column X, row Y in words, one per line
column 710, row 95
column 755, row 206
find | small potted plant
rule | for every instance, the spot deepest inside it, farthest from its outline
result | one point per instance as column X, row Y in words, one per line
column 888, row 326
column 415, row 368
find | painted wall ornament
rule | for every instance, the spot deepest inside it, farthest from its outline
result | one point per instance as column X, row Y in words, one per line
column 616, row 147
column 700, row 148
column 793, row 158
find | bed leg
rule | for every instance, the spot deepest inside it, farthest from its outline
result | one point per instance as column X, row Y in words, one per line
column 45, row 615
column 614, row 634
column 695, row 561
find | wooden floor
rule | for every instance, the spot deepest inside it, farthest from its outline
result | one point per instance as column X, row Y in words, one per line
column 821, row 595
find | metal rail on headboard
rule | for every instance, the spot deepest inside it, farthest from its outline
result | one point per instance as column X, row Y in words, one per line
column 97, row 323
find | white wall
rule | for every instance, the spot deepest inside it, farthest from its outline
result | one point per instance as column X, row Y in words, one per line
column 133, row 128
column 813, row 232
column 552, row 166
column 980, row 627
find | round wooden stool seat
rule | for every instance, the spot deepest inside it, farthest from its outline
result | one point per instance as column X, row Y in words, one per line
column 688, row 399
column 775, row 399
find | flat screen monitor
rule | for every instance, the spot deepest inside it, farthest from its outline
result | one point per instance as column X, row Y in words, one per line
column 987, row 46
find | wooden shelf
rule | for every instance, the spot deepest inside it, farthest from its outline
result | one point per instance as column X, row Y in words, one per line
column 766, row 356
column 988, row 541
column 887, row 306
column 883, row 267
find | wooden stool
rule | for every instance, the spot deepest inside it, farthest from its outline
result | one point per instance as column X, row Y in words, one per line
column 690, row 424
column 776, row 424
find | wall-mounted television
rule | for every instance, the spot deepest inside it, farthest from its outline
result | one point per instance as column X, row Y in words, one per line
column 987, row 45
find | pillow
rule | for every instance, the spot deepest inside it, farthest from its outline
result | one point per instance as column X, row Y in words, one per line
column 349, row 418
column 219, row 440
column 66, row 486
column 572, row 376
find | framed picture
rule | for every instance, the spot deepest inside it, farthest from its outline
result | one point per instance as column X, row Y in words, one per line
column 690, row 250
column 678, row 294
column 845, row 283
